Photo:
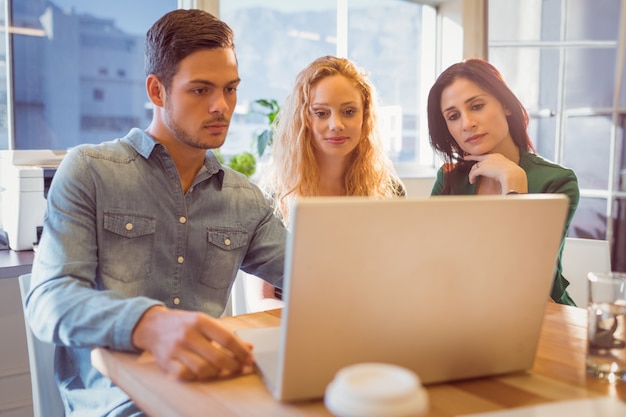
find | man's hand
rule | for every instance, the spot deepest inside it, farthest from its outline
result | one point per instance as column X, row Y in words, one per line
column 189, row 345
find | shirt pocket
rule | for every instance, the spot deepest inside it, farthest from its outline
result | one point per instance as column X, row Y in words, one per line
column 129, row 245
column 226, row 248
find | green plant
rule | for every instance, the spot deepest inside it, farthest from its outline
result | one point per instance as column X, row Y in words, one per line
column 269, row 108
column 244, row 162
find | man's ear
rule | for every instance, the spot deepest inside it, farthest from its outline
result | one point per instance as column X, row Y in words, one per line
column 155, row 90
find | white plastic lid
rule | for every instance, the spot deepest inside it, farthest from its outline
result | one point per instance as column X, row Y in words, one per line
column 376, row 390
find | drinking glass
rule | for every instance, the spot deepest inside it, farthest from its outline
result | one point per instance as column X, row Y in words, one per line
column 606, row 346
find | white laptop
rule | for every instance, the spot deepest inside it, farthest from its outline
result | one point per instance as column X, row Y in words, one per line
column 452, row 287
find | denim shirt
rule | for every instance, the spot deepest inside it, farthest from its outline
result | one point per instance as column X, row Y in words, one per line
column 120, row 236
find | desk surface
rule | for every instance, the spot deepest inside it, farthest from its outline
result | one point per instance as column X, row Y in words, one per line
column 558, row 374
column 15, row 263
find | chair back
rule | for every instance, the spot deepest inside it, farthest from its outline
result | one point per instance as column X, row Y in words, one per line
column 46, row 398
column 581, row 256
column 238, row 295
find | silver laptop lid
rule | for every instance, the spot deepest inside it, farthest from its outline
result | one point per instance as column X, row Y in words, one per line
column 451, row 287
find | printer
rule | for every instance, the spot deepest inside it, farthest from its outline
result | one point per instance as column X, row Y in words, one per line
column 25, row 176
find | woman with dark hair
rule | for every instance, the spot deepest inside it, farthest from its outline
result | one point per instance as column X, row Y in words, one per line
column 479, row 127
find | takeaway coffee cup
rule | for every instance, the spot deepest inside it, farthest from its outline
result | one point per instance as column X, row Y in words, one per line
column 376, row 390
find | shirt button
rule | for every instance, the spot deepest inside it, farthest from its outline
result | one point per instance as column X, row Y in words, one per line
column 176, row 301
column 129, row 226
column 181, row 259
column 227, row 242
column 182, row 219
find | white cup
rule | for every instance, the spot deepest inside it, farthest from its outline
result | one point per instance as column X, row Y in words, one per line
column 376, row 390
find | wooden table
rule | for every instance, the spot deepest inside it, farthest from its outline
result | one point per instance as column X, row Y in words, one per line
column 558, row 374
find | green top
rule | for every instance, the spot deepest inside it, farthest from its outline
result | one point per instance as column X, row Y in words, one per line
column 543, row 177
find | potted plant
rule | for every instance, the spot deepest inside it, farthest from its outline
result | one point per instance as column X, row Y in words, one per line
column 246, row 162
column 264, row 138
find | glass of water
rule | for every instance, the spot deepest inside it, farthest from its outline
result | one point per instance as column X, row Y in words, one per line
column 606, row 346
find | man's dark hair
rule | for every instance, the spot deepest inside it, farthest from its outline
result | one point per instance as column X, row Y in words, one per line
column 178, row 34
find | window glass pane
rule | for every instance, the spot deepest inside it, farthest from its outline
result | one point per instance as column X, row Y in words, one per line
column 384, row 38
column 587, row 149
column 529, row 20
column 619, row 234
column 542, row 131
column 603, row 26
column 275, row 39
column 590, row 219
column 78, row 71
column 623, row 92
column 532, row 74
column 589, row 77
column 620, row 151
column 4, row 123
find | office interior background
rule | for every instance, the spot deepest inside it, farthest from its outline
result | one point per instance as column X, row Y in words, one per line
column 73, row 73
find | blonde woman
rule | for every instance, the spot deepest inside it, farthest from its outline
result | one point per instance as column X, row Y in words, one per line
column 326, row 143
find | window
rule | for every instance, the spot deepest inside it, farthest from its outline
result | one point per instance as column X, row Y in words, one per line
column 77, row 67
column 98, row 94
column 277, row 38
column 66, row 88
column 4, row 96
column 562, row 58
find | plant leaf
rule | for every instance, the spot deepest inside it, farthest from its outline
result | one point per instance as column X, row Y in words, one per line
column 263, row 140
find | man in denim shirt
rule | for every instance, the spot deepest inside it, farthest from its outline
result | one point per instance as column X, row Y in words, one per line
column 144, row 235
